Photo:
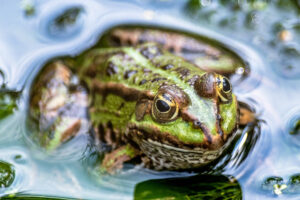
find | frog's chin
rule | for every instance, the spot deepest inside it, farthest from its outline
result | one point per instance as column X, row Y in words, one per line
column 139, row 134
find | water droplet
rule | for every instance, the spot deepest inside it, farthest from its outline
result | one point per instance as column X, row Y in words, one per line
column 240, row 71
column 149, row 14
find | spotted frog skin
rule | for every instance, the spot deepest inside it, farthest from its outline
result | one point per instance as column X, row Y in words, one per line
column 142, row 100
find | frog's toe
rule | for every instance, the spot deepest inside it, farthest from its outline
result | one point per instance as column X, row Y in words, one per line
column 114, row 160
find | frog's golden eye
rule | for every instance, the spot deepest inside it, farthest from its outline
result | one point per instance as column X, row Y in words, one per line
column 224, row 89
column 226, row 86
column 164, row 108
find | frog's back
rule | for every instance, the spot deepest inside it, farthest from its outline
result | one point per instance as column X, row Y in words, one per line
column 144, row 68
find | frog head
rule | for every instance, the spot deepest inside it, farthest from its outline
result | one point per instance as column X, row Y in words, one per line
column 191, row 126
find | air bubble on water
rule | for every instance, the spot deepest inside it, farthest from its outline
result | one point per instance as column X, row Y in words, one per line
column 240, row 71
column 149, row 14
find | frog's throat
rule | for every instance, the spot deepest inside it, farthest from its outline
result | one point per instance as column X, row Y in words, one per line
column 167, row 156
column 172, row 158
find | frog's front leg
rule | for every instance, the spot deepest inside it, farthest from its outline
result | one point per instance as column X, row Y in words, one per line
column 58, row 107
column 114, row 160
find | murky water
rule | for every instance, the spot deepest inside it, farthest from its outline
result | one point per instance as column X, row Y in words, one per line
column 265, row 162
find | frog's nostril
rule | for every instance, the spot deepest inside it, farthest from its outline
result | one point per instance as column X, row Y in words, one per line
column 197, row 124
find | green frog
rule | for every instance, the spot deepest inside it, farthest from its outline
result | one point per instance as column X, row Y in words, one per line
column 144, row 99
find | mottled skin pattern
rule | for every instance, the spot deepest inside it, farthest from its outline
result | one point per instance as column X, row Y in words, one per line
column 145, row 101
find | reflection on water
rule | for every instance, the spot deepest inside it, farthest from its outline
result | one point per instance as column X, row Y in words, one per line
column 194, row 187
column 244, row 146
column 28, row 7
column 7, row 175
column 8, row 98
column 16, row 169
column 296, row 128
column 20, row 196
column 292, row 126
column 67, row 23
column 63, row 24
column 264, row 160
column 294, row 183
column 68, row 17
column 8, row 102
column 278, row 185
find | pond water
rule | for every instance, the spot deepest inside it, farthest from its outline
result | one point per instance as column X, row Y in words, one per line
column 266, row 35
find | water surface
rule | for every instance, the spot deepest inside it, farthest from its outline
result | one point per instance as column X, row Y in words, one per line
column 265, row 35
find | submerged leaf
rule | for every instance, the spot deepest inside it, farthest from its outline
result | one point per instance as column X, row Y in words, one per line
column 7, row 174
column 8, row 103
column 195, row 187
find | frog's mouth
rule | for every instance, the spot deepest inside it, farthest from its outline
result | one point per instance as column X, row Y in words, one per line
column 155, row 136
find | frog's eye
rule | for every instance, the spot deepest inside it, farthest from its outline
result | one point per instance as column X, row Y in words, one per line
column 225, row 84
column 205, row 85
column 224, row 89
column 164, row 108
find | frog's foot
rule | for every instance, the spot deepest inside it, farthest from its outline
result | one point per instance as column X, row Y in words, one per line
column 114, row 160
column 246, row 114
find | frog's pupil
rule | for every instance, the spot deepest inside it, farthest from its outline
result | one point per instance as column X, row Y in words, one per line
column 162, row 106
column 226, row 85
